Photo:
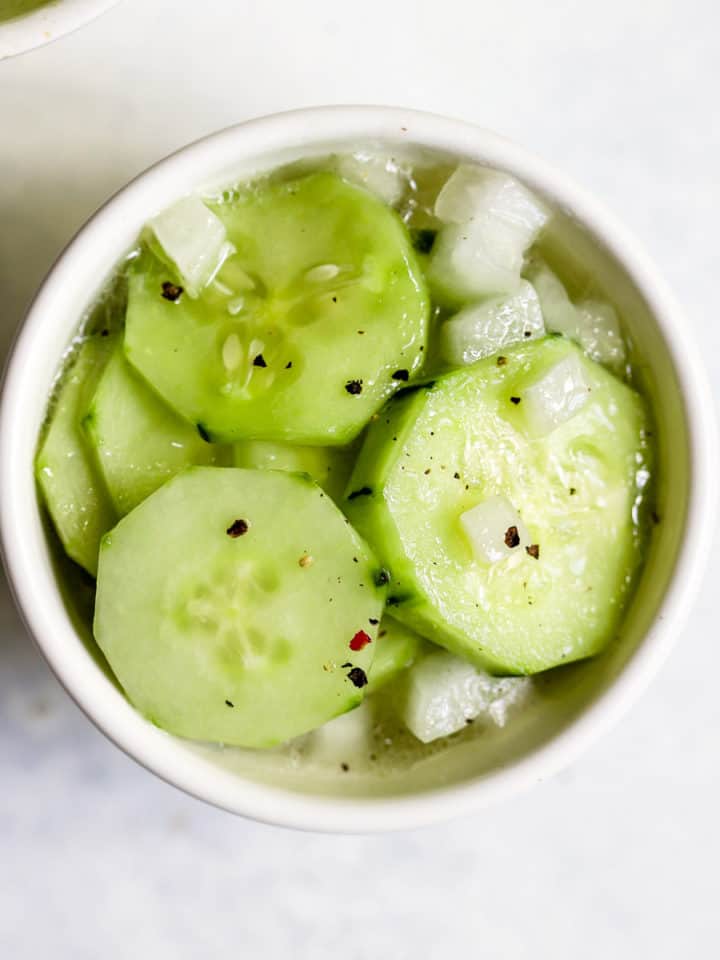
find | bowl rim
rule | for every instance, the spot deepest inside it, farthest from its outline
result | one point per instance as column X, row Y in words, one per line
column 49, row 624
column 47, row 24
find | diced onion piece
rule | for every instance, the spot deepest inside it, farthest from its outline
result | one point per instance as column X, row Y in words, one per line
column 471, row 193
column 557, row 397
column 343, row 738
column 442, row 693
column 600, row 335
column 492, row 527
column 593, row 324
column 379, row 174
column 559, row 313
column 485, row 328
column 194, row 240
column 491, row 220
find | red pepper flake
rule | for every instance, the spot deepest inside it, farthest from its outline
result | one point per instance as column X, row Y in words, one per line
column 533, row 550
column 360, row 640
column 354, row 387
column 237, row 528
column 358, row 677
column 512, row 537
column 171, row 291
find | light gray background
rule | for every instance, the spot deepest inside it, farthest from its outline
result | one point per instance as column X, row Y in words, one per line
column 616, row 858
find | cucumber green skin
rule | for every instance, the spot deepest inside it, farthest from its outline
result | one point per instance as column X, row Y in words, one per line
column 138, row 440
column 70, row 483
column 396, row 649
column 520, row 615
column 329, row 467
column 189, row 617
column 316, row 337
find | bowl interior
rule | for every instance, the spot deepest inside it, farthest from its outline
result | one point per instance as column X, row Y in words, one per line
column 235, row 778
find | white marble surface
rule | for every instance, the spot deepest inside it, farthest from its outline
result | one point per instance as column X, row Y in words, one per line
column 616, row 858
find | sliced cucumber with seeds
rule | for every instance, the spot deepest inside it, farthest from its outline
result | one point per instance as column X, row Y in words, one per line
column 319, row 316
column 67, row 474
column 249, row 635
column 504, row 500
column 329, row 467
column 139, row 441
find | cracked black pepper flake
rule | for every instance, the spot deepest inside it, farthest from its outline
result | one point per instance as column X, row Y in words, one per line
column 334, row 299
column 527, row 333
column 423, row 240
column 382, row 577
column 237, row 528
column 382, row 633
column 344, row 767
column 515, row 400
column 344, row 665
column 354, row 387
column 456, row 476
column 512, row 537
column 171, row 291
column 259, row 361
column 573, row 491
column 360, row 492
column 104, row 333
column 358, row 677
column 501, row 361
column 533, row 550
column 373, row 620
column 654, row 516
column 229, row 703
column 401, row 375
column 288, row 365
column 203, row 432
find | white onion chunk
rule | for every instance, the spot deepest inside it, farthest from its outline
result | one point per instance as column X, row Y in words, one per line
column 494, row 529
column 193, row 239
column 482, row 329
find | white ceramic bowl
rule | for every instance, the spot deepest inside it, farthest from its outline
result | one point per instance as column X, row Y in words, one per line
column 579, row 702
column 48, row 23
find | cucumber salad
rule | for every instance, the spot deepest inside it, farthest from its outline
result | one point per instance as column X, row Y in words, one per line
column 344, row 443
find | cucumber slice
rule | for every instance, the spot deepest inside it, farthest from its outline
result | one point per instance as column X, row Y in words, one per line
column 66, row 472
column 441, row 694
column 139, row 441
column 397, row 648
column 329, row 467
column 227, row 604
column 316, row 320
column 440, row 451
